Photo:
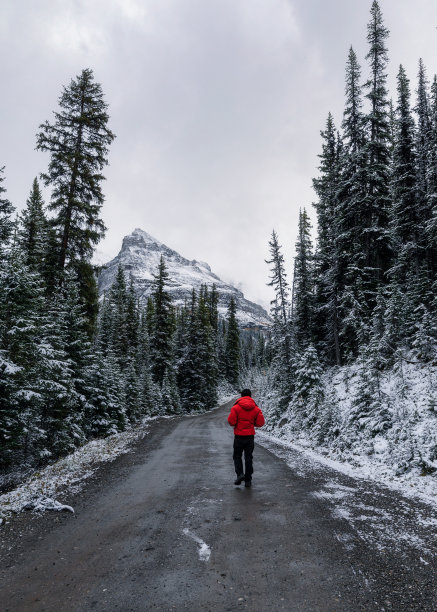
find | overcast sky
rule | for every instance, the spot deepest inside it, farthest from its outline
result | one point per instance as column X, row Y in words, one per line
column 217, row 107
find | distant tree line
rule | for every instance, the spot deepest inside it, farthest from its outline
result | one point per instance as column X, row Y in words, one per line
column 69, row 369
column 367, row 293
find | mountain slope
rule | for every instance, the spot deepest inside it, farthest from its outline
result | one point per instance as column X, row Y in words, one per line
column 139, row 256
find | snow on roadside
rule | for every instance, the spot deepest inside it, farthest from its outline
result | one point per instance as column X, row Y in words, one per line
column 401, row 454
column 39, row 492
column 226, row 393
column 409, row 484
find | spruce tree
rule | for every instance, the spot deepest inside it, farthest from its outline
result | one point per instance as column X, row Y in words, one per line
column 190, row 380
column 6, row 223
column 303, row 284
column 327, row 263
column 281, row 330
column 350, row 212
column 375, row 233
column 422, row 144
column 431, row 195
column 119, row 301
column 78, row 142
column 406, row 211
column 161, row 335
column 207, row 314
column 22, row 309
column 308, row 392
column 32, row 230
column 232, row 346
column 62, row 417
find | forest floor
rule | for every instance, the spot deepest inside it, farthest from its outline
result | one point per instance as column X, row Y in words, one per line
column 163, row 527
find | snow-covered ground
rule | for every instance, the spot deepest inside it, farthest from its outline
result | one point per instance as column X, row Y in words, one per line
column 42, row 490
column 393, row 442
column 378, row 515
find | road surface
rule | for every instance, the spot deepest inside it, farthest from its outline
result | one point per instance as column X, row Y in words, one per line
column 164, row 528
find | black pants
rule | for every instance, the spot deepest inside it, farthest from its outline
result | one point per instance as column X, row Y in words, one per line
column 246, row 444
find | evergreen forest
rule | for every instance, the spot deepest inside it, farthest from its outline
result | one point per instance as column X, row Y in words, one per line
column 71, row 368
column 360, row 313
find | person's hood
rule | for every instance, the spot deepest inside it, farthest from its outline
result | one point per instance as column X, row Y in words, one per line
column 246, row 403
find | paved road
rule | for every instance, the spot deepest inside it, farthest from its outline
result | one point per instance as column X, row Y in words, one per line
column 164, row 528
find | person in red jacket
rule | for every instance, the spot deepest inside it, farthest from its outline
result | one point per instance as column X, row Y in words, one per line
column 244, row 417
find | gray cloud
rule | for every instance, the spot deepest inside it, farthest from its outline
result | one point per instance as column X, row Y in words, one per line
column 217, row 108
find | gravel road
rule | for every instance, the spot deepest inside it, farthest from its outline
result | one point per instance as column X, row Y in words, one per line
column 164, row 528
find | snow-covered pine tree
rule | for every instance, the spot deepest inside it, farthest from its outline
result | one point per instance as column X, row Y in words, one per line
column 119, row 301
column 22, row 307
column 78, row 348
column 133, row 390
column 33, row 228
column 376, row 246
column 207, row 315
column 6, row 223
column 406, row 218
column 170, row 399
column 162, row 328
column 132, row 318
column 308, row 392
column 62, row 417
column 303, row 285
column 350, row 212
column 369, row 412
column 78, row 142
column 232, row 346
column 328, row 288
column 422, row 145
column 143, row 364
column 431, row 195
column 281, row 340
column 190, row 377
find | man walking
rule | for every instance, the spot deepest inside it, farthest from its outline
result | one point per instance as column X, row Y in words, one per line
column 244, row 417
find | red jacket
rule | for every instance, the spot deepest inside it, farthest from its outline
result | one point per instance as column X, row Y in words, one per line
column 245, row 416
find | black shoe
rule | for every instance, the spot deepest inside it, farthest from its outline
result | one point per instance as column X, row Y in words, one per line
column 239, row 480
column 248, row 483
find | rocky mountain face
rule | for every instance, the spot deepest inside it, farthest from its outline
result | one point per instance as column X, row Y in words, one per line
column 140, row 255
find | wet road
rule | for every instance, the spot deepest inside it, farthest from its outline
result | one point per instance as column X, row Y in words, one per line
column 164, row 528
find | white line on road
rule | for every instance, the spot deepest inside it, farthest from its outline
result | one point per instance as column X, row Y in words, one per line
column 204, row 550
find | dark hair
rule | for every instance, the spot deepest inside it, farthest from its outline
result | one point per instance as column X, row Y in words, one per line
column 246, row 392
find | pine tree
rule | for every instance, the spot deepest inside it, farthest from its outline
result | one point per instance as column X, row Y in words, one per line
column 422, row 136
column 32, row 230
column 21, row 330
column 78, row 348
column 190, row 378
column 78, row 142
column 406, row 218
column 431, row 175
column 281, row 330
column 170, row 400
column 62, row 417
column 161, row 334
column 232, row 344
column 6, row 224
column 328, row 285
column 207, row 313
column 303, row 284
column 350, row 212
column 308, row 392
column 377, row 205
column 278, row 280
column 132, row 318
column 119, row 301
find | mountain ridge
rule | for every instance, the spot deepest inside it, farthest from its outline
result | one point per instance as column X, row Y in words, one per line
column 139, row 256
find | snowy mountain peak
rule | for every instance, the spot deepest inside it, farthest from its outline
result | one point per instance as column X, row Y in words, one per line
column 140, row 255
